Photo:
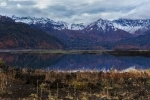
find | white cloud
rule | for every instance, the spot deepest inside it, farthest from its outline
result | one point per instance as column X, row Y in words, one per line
column 3, row 4
column 77, row 10
column 140, row 12
column 18, row 5
column 42, row 4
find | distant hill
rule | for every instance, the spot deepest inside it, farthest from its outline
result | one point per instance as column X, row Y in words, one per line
column 21, row 36
column 141, row 42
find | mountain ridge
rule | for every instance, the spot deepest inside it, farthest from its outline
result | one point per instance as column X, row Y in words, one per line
column 133, row 26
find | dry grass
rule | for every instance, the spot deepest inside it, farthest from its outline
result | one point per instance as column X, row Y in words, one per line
column 87, row 85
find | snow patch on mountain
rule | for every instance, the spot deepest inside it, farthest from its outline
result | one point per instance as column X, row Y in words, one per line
column 130, row 29
column 132, row 26
column 59, row 25
column 32, row 20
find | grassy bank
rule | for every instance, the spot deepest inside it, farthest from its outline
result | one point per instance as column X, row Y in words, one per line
column 27, row 84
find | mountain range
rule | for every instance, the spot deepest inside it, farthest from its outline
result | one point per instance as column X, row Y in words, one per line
column 131, row 26
column 100, row 34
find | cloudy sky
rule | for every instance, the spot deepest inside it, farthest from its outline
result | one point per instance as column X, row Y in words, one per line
column 77, row 11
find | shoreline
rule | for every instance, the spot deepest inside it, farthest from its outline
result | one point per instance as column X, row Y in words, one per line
column 145, row 53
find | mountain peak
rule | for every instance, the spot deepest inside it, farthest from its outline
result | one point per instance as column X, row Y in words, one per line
column 101, row 26
column 100, row 19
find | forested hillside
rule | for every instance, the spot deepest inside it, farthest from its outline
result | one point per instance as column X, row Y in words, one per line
column 21, row 36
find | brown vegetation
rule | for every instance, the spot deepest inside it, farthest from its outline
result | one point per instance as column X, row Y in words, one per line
column 51, row 85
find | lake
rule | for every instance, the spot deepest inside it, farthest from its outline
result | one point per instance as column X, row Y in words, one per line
column 67, row 62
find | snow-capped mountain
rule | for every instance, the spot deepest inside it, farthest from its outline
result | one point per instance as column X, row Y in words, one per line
column 46, row 22
column 43, row 22
column 101, row 25
column 132, row 26
column 137, row 27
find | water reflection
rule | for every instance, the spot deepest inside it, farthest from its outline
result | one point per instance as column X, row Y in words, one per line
column 34, row 61
column 75, row 61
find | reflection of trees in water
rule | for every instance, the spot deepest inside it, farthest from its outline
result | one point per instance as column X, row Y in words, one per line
column 74, row 61
column 30, row 60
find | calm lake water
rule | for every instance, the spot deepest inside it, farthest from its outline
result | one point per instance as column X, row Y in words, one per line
column 75, row 61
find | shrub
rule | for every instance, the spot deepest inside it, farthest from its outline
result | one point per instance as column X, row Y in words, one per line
column 2, row 63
